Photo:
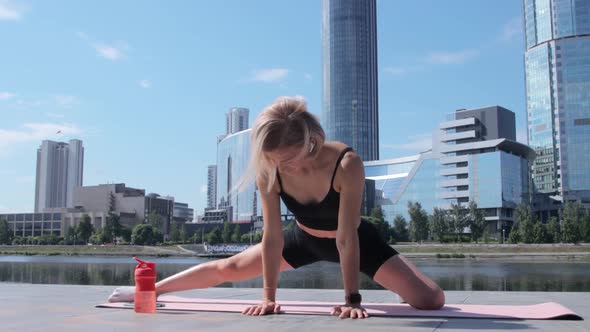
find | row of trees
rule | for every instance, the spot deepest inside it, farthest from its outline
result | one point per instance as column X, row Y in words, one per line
column 445, row 225
column 449, row 225
column 574, row 226
column 84, row 232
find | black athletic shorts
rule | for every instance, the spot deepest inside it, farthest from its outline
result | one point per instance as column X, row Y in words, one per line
column 302, row 249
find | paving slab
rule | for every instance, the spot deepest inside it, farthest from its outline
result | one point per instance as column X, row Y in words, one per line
column 28, row 307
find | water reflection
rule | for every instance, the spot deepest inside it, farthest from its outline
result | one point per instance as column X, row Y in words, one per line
column 451, row 275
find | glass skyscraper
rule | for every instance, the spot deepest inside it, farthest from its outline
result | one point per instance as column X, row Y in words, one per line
column 350, row 105
column 60, row 168
column 557, row 65
column 233, row 155
column 474, row 157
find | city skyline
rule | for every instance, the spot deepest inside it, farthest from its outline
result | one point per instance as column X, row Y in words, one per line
column 149, row 90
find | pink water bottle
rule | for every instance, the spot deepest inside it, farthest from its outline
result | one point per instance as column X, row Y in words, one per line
column 145, row 287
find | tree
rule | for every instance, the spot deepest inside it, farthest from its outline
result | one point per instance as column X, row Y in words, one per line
column 236, row 235
column 418, row 222
column 378, row 220
column 214, row 236
column 85, row 228
column 5, row 232
column 196, row 237
column 126, row 233
column 573, row 214
column 112, row 227
column 377, row 213
column 182, row 234
column 554, row 231
column 539, row 232
column 175, row 233
column 514, row 236
column 155, row 220
column 400, row 229
column 439, row 223
column 458, row 220
column 523, row 216
column 100, row 237
column 226, row 233
column 71, row 235
column 245, row 238
column 585, row 228
column 143, row 234
column 477, row 221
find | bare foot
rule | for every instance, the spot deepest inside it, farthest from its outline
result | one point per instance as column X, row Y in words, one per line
column 123, row 294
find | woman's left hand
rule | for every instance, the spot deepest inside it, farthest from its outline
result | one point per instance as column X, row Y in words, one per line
column 350, row 311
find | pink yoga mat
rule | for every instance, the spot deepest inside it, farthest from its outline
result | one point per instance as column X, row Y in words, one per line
column 548, row 310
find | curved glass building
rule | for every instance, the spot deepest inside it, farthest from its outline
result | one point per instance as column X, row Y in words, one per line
column 233, row 155
column 557, row 66
column 474, row 157
column 350, row 111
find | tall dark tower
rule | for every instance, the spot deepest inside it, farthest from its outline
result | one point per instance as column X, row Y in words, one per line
column 350, row 105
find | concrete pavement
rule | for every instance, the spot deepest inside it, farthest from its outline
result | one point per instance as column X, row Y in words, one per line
column 27, row 307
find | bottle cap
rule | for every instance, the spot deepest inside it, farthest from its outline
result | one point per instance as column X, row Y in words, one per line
column 144, row 268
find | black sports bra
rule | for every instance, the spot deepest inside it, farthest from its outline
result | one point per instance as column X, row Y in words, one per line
column 322, row 215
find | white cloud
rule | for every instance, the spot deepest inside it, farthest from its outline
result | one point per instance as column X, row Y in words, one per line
column 30, row 103
column 417, row 143
column 35, row 132
column 396, row 70
column 54, row 115
column 66, row 101
column 146, row 84
column 11, row 11
column 402, row 70
column 433, row 59
column 6, row 95
column 449, row 58
column 111, row 52
column 204, row 189
column 512, row 29
column 271, row 75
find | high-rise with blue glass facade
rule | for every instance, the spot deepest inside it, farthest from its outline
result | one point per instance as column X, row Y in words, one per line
column 350, row 111
column 474, row 157
column 557, row 66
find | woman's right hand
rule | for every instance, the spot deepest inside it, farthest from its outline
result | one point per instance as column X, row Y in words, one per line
column 265, row 307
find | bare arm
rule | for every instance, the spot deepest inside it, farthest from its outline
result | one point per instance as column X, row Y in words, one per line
column 272, row 239
column 352, row 182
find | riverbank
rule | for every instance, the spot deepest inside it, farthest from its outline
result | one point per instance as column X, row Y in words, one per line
column 416, row 251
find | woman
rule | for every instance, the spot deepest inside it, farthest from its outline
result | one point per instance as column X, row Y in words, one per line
column 322, row 184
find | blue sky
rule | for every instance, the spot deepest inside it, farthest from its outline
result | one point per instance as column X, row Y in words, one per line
column 146, row 84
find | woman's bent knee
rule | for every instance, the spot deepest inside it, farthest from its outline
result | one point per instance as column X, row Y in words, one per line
column 435, row 301
column 430, row 301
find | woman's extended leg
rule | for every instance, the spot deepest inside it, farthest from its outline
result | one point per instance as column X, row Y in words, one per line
column 402, row 277
column 242, row 266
